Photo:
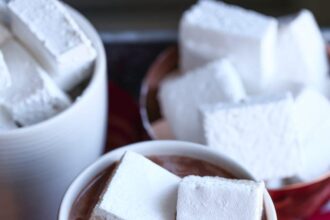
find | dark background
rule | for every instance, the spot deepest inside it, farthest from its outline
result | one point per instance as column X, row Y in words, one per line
column 118, row 15
column 135, row 32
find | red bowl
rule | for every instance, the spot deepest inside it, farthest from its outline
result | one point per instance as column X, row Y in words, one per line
column 295, row 201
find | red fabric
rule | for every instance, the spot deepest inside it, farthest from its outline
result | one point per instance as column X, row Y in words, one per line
column 125, row 126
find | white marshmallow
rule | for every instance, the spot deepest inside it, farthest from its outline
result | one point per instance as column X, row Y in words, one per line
column 139, row 189
column 6, row 121
column 259, row 134
column 5, row 79
column 32, row 97
column 4, row 12
column 212, row 30
column 4, row 34
column 180, row 96
column 206, row 198
column 313, row 121
column 275, row 183
column 301, row 53
column 47, row 30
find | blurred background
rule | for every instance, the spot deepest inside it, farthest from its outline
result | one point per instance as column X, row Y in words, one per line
column 135, row 32
column 121, row 15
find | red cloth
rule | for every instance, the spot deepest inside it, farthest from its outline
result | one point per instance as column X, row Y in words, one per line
column 125, row 126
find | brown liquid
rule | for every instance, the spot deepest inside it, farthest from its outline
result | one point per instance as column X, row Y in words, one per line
column 181, row 166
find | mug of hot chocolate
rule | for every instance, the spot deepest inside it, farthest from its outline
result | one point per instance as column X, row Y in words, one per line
column 166, row 180
column 252, row 87
column 53, row 104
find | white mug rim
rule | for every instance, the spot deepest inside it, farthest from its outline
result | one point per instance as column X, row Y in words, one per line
column 149, row 148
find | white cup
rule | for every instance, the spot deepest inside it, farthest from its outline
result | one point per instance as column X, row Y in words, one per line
column 37, row 163
column 177, row 148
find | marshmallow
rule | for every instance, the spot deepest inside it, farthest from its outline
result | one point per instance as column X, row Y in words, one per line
column 4, row 34
column 32, row 97
column 180, row 96
column 275, row 183
column 138, row 189
column 212, row 30
column 259, row 134
column 6, row 121
column 3, row 11
column 206, row 198
column 301, row 53
column 47, row 30
column 313, row 121
column 5, row 79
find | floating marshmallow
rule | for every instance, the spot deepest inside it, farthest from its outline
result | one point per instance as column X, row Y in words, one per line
column 138, row 189
column 206, row 198
column 47, row 29
column 212, row 30
column 313, row 121
column 180, row 96
column 259, row 134
column 5, row 79
column 6, row 121
column 4, row 34
column 32, row 97
column 301, row 53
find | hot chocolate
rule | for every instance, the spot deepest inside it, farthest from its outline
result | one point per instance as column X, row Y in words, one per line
column 181, row 166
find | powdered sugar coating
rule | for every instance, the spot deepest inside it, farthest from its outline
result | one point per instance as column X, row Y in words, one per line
column 217, row 198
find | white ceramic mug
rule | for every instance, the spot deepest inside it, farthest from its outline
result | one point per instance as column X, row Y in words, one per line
column 38, row 163
column 177, row 148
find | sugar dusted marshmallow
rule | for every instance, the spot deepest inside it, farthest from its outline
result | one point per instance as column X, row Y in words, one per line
column 33, row 96
column 4, row 34
column 180, row 96
column 206, row 198
column 313, row 123
column 140, row 190
column 259, row 134
column 6, row 121
column 5, row 79
column 212, row 30
column 47, row 29
column 301, row 53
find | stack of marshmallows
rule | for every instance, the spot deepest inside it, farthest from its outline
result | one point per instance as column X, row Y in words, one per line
column 254, row 88
column 140, row 189
column 43, row 55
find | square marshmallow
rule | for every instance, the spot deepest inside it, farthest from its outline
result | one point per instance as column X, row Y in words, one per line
column 212, row 30
column 206, row 198
column 6, row 121
column 33, row 96
column 138, row 189
column 313, row 123
column 48, row 31
column 4, row 34
column 301, row 53
column 180, row 96
column 5, row 79
column 260, row 135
